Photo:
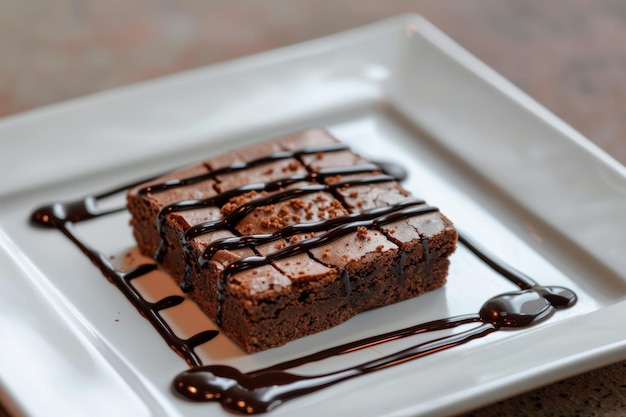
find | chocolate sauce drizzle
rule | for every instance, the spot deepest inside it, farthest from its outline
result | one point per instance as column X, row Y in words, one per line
column 241, row 166
column 231, row 220
column 265, row 389
column 63, row 216
column 313, row 182
column 222, row 198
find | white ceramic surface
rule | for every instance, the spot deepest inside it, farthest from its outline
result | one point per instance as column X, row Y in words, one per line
column 498, row 164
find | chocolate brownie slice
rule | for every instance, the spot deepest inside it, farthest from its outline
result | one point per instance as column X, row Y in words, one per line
column 290, row 237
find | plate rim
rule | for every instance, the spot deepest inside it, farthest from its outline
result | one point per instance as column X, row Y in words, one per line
column 603, row 355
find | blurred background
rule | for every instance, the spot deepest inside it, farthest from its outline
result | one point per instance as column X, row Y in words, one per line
column 570, row 55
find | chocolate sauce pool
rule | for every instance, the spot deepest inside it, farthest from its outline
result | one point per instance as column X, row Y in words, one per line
column 265, row 389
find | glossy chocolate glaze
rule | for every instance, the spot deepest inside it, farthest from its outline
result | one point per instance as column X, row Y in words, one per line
column 240, row 166
column 231, row 220
column 361, row 220
column 323, row 180
column 265, row 389
column 63, row 216
column 271, row 186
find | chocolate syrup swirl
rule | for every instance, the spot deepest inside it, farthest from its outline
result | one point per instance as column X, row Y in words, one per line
column 240, row 212
column 240, row 166
column 248, row 262
column 304, row 228
column 265, row 389
column 63, row 216
column 344, row 224
column 230, row 221
column 223, row 197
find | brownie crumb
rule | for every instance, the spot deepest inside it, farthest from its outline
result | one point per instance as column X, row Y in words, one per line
column 297, row 203
column 235, row 202
column 361, row 232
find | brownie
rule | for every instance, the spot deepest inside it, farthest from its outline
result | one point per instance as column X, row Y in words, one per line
column 289, row 237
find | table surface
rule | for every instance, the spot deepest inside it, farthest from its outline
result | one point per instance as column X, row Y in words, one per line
column 570, row 55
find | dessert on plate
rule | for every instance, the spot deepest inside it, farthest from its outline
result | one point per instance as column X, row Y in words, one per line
column 285, row 238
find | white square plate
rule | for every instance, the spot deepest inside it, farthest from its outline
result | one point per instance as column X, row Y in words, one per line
column 498, row 164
